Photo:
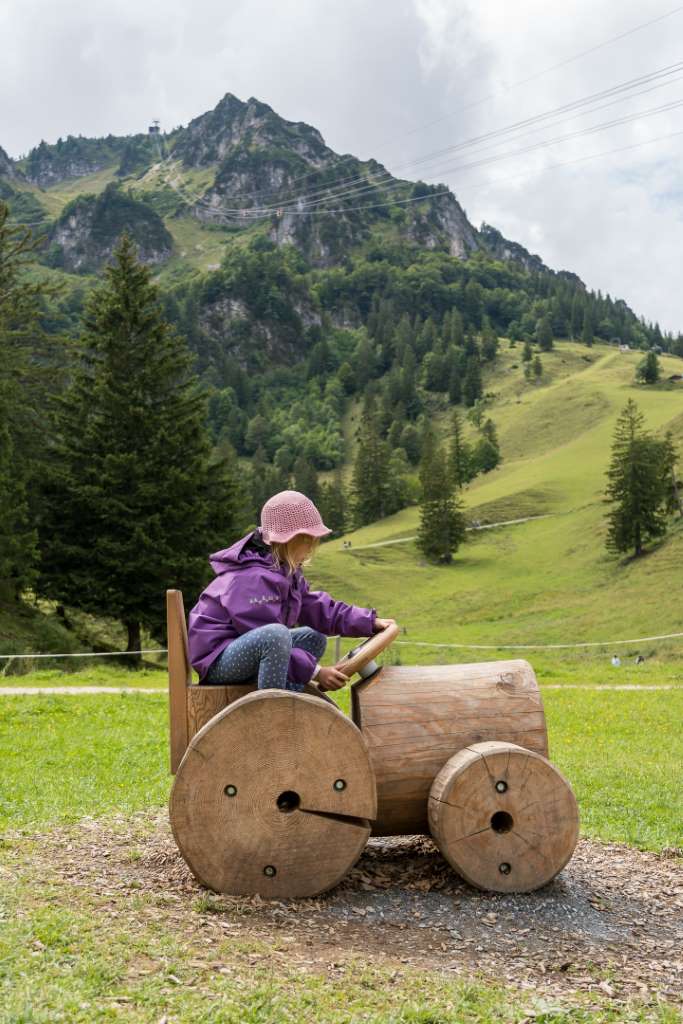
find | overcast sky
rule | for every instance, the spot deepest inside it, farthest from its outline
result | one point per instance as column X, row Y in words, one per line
column 396, row 80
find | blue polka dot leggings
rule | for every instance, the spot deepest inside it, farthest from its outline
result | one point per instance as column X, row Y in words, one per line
column 265, row 650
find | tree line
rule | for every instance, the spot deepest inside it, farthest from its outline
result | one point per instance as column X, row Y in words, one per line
column 113, row 486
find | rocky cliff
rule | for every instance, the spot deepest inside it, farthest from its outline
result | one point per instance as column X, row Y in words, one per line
column 85, row 235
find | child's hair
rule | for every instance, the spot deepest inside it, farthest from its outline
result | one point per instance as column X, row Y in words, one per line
column 283, row 555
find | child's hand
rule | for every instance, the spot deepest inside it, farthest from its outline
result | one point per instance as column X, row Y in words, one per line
column 381, row 624
column 331, row 679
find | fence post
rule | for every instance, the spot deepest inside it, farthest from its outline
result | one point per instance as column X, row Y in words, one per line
column 337, row 649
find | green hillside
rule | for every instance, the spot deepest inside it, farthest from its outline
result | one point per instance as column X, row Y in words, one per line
column 545, row 581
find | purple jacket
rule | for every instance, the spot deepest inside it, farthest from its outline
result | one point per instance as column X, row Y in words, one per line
column 250, row 591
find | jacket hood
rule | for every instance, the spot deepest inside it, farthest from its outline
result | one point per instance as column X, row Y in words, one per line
column 250, row 550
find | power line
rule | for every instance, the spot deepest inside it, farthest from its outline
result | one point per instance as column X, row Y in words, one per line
column 503, row 90
column 250, row 214
column 328, row 194
column 411, row 643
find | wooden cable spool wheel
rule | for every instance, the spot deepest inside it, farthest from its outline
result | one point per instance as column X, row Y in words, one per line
column 503, row 817
column 274, row 797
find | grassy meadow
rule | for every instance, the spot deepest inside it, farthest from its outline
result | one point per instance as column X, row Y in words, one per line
column 547, row 581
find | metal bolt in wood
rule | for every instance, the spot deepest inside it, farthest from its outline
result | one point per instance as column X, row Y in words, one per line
column 303, row 795
column 509, row 840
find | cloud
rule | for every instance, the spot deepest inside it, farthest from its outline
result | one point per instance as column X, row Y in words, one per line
column 394, row 79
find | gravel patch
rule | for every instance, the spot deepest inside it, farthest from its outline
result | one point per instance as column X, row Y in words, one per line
column 611, row 924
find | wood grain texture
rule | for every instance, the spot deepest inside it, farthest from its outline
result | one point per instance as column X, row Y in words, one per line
column 414, row 718
column 503, row 817
column 203, row 702
column 254, row 807
column 367, row 650
column 179, row 676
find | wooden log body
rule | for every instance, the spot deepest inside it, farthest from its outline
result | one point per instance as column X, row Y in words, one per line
column 274, row 797
column 414, row 718
column 504, row 817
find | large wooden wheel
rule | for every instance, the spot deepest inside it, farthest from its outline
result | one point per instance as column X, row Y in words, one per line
column 274, row 796
column 503, row 817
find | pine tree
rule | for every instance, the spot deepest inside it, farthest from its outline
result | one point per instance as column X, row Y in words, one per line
column 306, row 479
column 442, row 521
column 576, row 316
column 538, row 368
column 648, row 370
column 587, row 328
column 472, row 386
column 456, row 334
column 370, row 486
column 409, row 395
column 544, row 334
column 637, row 484
column 132, row 504
column 21, row 402
column 672, row 486
column 489, row 341
column 332, row 504
column 403, row 337
column 460, row 469
column 527, row 352
column 486, row 455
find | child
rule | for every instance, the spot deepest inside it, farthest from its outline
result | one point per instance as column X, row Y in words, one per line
column 241, row 626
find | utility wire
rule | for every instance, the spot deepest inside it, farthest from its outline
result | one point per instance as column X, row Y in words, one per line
column 328, row 194
column 411, row 643
column 251, row 214
column 536, row 119
column 503, row 90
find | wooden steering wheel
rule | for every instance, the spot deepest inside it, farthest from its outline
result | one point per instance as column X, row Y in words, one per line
column 361, row 659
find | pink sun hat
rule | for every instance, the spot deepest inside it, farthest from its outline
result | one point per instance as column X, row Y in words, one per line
column 288, row 513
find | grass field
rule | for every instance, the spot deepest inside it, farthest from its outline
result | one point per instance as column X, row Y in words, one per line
column 67, row 757
column 546, row 581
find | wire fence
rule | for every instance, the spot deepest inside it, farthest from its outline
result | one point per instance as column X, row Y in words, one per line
column 408, row 643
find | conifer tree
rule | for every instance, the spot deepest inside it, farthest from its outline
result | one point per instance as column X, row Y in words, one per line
column 132, row 504
column 489, row 341
column 306, row 479
column 637, row 484
column 460, row 469
column 409, row 395
column 576, row 316
column 403, row 338
column 672, row 486
column 538, row 368
column 332, row 504
column 527, row 352
column 370, row 486
column 442, row 520
column 21, row 400
column 544, row 334
column 587, row 328
column 648, row 370
column 456, row 335
column 472, row 386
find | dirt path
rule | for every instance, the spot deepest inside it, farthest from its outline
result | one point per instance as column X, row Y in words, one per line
column 611, row 924
column 77, row 691
column 483, row 526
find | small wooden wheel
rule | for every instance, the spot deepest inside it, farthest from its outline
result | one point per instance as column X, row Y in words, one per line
column 274, row 796
column 365, row 653
column 503, row 817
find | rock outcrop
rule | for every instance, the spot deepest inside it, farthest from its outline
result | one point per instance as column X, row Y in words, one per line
column 84, row 237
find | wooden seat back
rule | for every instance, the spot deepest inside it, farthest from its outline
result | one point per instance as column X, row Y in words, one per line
column 190, row 706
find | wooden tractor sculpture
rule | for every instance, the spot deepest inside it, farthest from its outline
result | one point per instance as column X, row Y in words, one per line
column 276, row 793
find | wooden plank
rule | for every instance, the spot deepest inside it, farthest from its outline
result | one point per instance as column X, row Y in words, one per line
column 179, row 676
